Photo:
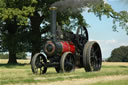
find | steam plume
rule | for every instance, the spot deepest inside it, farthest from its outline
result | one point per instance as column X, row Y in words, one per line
column 125, row 1
column 74, row 5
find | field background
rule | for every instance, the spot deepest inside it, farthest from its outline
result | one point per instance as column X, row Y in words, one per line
column 113, row 73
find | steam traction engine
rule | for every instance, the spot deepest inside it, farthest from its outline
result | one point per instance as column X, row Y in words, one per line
column 66, row 51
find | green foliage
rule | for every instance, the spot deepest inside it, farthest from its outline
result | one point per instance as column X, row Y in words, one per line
column 3, row 56
column 119, row 18
column 21, row 55
column 17, row 8
column 119, row 54
column 2, row 4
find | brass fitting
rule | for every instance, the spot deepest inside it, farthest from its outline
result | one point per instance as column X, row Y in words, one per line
column 53, row 8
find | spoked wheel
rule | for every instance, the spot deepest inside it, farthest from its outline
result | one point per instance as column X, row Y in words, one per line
column 67, row 62
column 81, row 36
column 38, row 64
column 92, row 57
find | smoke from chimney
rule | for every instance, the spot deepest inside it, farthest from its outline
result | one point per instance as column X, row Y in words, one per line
column 125, row 2
column 74, row 5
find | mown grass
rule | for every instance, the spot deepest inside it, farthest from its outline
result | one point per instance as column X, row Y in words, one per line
column 116, row 82
column 21, row 73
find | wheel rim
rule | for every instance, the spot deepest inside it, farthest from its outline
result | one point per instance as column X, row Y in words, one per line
column 68, row 63
column 95, row 57
column 39, row 66
column 82, row 36
column 92, row 57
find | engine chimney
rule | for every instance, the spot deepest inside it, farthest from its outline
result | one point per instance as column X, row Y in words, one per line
column 53, row 22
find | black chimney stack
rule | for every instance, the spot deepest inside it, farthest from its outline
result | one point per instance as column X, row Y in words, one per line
column 53, row 22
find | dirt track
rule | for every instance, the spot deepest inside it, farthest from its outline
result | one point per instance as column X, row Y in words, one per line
column 83, row 81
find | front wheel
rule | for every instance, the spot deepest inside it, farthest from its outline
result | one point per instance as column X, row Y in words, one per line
column 67, row 62
column 92, row 57
column 38, row 64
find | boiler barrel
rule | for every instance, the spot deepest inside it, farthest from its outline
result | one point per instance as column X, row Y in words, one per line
column 58, row 48
column 68, row 47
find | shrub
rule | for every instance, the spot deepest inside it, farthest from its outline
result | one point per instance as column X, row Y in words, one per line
column 4, row 56
column 21, row 55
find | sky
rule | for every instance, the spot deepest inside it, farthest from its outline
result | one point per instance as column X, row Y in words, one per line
column 101, row 31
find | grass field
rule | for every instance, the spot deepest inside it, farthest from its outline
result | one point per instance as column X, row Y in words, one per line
column 110, row 74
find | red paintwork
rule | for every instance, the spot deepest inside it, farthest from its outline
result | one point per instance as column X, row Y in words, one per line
column 67, row 47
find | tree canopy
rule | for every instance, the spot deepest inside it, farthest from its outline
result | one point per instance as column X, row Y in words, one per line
column 119, row 54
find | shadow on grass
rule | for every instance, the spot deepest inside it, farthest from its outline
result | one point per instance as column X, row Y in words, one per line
column 115, row 66
column 12, row 65
column 123, row 66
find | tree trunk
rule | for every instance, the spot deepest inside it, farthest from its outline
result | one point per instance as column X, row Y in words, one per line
column 12, row 58
column 36, row 34
column 11, row 41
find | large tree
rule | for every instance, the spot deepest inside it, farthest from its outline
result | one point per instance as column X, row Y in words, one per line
column 14, row 14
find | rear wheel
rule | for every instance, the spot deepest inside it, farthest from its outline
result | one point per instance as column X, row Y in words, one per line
column 67, row 63
column 92, row 57
column 38, row 64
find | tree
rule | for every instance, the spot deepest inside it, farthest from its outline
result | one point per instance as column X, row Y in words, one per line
column 119, row 54
column 120, row 18
column 14, row 15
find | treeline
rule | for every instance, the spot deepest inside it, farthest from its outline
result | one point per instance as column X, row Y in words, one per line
column 21, row 55
column 119, row 54
column 3, row 56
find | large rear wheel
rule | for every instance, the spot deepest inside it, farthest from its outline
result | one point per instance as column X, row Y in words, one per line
column 92, row 57
column 38, row 64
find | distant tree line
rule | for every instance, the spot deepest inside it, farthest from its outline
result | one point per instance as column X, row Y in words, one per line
column 119, row 54
column 3, row 56
column 21, row 55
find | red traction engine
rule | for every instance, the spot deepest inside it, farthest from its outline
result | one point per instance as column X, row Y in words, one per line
column 66, row 51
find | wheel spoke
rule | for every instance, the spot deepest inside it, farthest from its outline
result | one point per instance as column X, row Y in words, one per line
column 92, row 58
column 38, row 64
column 97, row 50
column 68, row 64
column 40, row 71
column 95, row 60
column 82, row 36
